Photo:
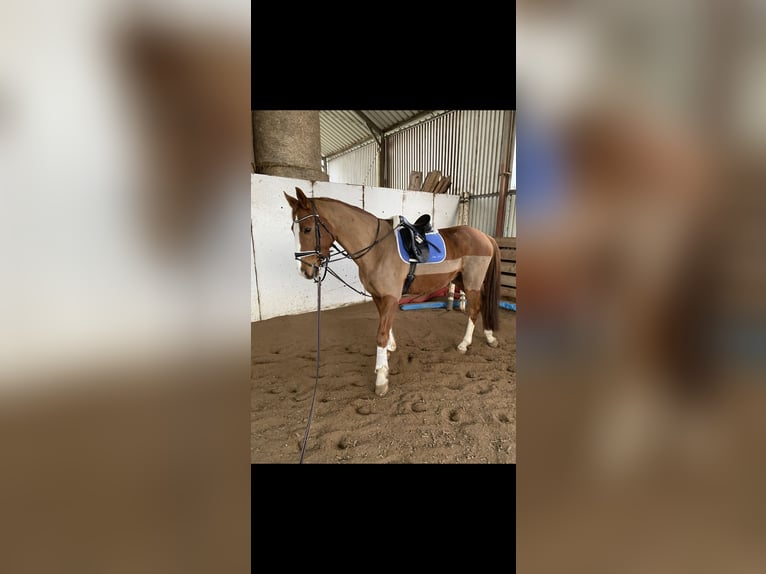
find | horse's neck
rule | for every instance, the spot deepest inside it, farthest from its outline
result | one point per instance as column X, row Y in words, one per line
column 353, row 229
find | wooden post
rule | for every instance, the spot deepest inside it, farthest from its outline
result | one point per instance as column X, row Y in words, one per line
column 506, row 157
column 432, row 179
column 462, row 214
column 444, row 184
column 416, row 181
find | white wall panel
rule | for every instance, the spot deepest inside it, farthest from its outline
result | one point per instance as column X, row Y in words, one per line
column 416, row 203
column 383, row 202
column 281, row 290
column 345, row 192
column 277, row 287
column 445, row 210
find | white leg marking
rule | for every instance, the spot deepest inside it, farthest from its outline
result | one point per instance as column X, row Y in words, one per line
column 381, row 358
column 467, row 338
column 381, row 371
column 451, row 296
column 491, row 339
column 391, row 341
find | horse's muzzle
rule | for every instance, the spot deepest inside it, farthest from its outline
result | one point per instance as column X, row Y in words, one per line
column 309, row 266
column 309, row 271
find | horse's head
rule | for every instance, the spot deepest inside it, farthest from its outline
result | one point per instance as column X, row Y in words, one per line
column 311, row 234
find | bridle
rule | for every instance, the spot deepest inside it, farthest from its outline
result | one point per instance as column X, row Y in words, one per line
column 317, row 223
column 339, row 252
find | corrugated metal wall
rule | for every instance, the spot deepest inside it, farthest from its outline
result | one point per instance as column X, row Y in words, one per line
column 358, row 166
column 337, row 129
column 433, row 144
column 464, row 144
column 482, row 213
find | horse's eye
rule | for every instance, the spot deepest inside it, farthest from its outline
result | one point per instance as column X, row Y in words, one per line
column 306, row 230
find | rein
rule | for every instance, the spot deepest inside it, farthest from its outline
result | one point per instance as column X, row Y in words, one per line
column 324, row 262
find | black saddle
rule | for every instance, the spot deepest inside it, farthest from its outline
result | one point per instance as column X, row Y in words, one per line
column 414, row 237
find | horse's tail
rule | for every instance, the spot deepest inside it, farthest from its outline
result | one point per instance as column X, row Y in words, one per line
column 490, row 294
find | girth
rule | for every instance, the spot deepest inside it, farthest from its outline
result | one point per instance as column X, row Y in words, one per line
column 410, row 277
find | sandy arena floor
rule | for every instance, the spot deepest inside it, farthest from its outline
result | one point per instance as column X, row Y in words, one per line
column 442, row 407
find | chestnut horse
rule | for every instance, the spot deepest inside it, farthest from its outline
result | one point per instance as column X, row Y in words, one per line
column 472, row 263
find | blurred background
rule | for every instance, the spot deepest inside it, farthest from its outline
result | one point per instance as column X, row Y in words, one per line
column 642, row 326
column 124, row 342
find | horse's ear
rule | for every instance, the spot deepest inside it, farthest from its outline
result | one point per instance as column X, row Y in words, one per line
column 301, row 197
column 291, row 200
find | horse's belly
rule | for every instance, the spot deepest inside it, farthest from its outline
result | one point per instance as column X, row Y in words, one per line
column 432, row 276
column 429, row 283
column 445, row 267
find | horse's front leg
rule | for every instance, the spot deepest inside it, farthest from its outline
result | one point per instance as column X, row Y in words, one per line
column 385, row 340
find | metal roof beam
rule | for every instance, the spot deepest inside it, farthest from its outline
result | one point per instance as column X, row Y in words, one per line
column 412, row 120
column 374, row 130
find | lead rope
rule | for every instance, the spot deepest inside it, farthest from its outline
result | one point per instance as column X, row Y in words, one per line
column 318, row 280
column 316, row 377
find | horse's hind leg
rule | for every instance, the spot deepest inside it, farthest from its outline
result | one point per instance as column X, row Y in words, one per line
column 386, row 309
column 391, row 341
column 474, row 308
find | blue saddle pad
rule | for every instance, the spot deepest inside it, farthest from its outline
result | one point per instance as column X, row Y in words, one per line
column 436, row 250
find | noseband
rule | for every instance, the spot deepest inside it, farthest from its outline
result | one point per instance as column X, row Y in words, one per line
column 317, row 223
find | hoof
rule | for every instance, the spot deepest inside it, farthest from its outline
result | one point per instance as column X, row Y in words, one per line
column 391, row 348
column 381, row 381
column 462, row 350
column 493, row 343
